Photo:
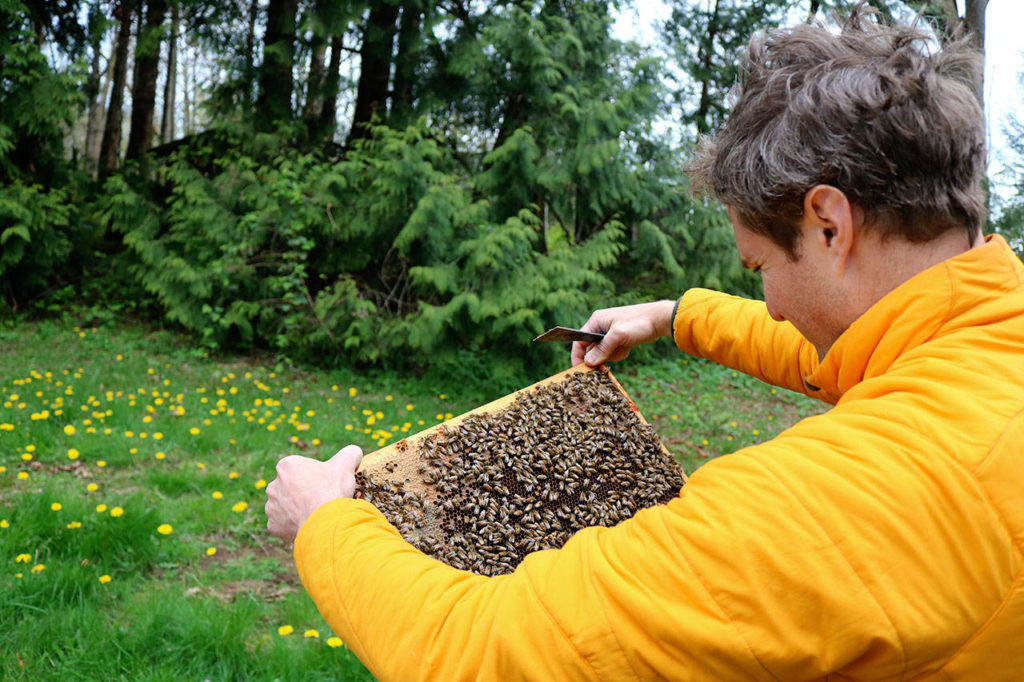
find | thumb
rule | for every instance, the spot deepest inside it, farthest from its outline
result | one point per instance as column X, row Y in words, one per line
column 347, row 459
column 599, row 352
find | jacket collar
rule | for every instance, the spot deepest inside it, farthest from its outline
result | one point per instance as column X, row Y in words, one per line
column 914, row 312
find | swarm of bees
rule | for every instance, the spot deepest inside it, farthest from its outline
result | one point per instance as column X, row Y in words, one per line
column 498, row 485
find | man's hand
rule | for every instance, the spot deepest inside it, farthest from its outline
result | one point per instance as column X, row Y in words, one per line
column 303, row 484
column 623, row 328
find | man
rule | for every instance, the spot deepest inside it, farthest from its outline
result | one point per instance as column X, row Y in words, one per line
column 883, row 539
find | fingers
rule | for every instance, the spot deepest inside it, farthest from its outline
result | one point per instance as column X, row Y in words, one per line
column 347, row 459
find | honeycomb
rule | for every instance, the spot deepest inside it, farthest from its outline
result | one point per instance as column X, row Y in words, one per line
column 483, row 491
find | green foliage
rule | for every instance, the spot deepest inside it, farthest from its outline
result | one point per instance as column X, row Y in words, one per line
column 35, row 102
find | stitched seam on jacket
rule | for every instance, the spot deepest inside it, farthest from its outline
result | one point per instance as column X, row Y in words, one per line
column 558, row 626
column 984, row 626
column 711, row 596
column 977, row 470
column 903, row 650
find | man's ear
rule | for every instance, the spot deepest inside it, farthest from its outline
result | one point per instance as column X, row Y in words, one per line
column 829, row 223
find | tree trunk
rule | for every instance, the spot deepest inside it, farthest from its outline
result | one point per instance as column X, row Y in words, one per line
column 974, row 18
column 315, row 83
column 274, row 102
column 170, row 93
column 110, row 146
column 332, row 79
column 99, row 81
column 405, row 62
column 375, row 68
column 147, row 68
column 706, row 53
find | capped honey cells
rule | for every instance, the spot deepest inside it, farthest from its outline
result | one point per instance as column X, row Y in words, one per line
column 484, row 493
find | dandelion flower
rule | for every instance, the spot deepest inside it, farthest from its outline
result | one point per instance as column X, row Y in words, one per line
column 239, row 507
column 159, row 455
column 26, row 457
column 311, row 633
column 164, row 529
column 75, row 524
column 408, row 406
column 352, row 391
column 22, row 475
column 216, row 494
column 285, row 630
column 210, row 551
column 101, row 463
column 100, row 508
column 194, row 430
column 157, row 435
column 69, row 430
column 334, row 642
column 6, row 427
column 72, row 453
column 4, row 523
column 56, row 506
column 260, row 484
column 23, row 558
column 116, row 511
column 233, row 474
column 39, row 568
column 104, row 579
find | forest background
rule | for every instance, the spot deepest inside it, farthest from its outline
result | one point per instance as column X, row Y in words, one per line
column 419, row 185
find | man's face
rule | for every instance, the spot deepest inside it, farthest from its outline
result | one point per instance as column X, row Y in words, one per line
column 804, row 291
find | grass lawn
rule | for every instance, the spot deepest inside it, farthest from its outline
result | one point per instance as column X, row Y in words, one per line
column 132, row 535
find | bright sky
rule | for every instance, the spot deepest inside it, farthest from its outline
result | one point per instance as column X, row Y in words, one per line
column 1004, row 63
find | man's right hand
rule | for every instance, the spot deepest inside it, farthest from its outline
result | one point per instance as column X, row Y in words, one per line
column 623, row 328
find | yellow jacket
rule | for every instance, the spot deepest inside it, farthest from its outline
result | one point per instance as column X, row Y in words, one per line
column 880, row 540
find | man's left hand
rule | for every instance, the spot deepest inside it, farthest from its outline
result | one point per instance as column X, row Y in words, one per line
column 303, row 484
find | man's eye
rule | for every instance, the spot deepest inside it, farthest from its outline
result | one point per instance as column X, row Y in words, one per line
column 757, row 269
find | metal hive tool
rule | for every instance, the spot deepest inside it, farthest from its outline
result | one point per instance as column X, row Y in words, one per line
column 483, row 490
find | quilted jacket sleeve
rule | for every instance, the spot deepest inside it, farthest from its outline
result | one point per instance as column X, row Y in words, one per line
column 717, row 326
column 696, row 589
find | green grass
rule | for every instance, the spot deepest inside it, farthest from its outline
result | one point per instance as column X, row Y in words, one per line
column 110, row 435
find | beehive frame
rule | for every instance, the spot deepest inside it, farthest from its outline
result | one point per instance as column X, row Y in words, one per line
column 467, row 492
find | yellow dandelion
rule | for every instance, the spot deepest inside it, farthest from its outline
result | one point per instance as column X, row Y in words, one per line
column 117, row 511
column 26, row 457
column 56, row 506
column 72, row 453
column 260, row 484
column 105, row 579
column 408, row 406
column 100, row 508
column 165, row 529
column 69, row 430
column 157, row 435
column 216, row 494
column 311, row 633
column 101, row 462
column 75, row 524
column 23, row 558
column 4, row 523
column 159, row 455
column 352, row 391
column 348, row 427
column 239, row 507
column 22, row 475
column 334, row 642
column 210, row 551
column 6, row 427
column 194, row 430
column 39, row 568
column 233, row 474
column 285, row 630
